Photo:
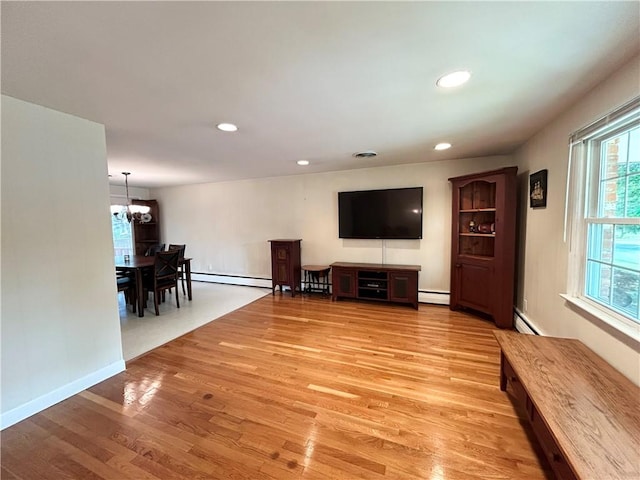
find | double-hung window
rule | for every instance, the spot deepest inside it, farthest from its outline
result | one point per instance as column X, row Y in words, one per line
column 122, row 235
column 603, row 200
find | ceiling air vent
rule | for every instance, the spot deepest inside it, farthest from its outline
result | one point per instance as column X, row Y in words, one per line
column 365, row 154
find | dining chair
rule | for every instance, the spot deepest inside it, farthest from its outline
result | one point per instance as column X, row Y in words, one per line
column 165, row 276
column 180, row 248
column 127, row 285
column 153, row 249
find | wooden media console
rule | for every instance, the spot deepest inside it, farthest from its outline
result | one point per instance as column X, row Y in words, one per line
column 375, row 281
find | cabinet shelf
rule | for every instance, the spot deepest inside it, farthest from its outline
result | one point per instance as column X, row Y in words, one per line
column 376, row 280
column 365, row 275
column 370, row 294
column 483, row 258
column 474, row 210
column 489, row 235
column 373, row 287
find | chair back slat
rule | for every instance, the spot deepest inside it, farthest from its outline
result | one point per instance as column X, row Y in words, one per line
column 165, row 276
column 178, row 247
column 153, row 249
column 166, row 264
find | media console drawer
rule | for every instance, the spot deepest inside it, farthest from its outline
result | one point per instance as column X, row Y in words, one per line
column 550, row 447
column 513, row 381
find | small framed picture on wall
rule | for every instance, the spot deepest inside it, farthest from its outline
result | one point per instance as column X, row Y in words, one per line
column 538, row 189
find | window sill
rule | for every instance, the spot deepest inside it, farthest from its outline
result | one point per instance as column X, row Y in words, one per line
column 627, row 327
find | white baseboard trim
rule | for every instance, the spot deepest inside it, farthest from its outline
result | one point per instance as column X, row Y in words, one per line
column 231, row 280
column 36, row 405
column 523, row 324
column 438, row 298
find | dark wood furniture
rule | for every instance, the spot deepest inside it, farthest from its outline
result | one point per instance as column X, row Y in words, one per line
column 181, row 248
column 153, row 249
column 135, row 267
column 286, row 265
column 164, row 276
column 316, row 278
column 585, row 414
column 146, row 233
column 374, row 281
column 483, row 244
column 127, row 285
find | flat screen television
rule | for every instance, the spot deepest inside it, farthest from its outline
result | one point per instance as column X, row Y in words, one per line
column 386, row 214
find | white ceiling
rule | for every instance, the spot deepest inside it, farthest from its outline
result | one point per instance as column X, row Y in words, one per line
column 307, row 80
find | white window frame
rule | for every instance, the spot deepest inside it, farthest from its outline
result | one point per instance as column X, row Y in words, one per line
column 581, row 189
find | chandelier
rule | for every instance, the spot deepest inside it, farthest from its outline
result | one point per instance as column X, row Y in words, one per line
column 130, row 211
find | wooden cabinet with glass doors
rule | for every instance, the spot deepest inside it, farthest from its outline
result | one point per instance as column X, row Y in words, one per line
column 483, row 246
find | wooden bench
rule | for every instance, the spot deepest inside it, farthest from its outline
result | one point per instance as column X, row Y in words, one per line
column 585, row 414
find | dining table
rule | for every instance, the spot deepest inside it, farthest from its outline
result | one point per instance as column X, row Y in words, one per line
column 136, row 264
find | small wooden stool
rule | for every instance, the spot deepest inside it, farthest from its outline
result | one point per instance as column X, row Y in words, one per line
column 316, row 278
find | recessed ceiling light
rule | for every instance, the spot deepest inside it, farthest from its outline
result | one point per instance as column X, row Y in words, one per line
column 442, row 146
column 454, row 79
column 365, row 154
column 303, row 162
column 227, row 127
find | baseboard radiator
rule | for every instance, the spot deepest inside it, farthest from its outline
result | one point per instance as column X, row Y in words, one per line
column 424, row 296
column 523, row 324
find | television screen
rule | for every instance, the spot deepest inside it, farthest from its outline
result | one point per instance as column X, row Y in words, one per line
column 385, row 214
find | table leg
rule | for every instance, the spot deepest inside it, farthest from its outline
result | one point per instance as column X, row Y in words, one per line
column 187, row 273
column 140, row 289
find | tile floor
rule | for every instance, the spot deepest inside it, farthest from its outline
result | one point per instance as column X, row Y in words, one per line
column 210, row 301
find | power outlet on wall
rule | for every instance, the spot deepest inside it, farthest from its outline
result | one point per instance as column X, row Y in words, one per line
column 525, row 305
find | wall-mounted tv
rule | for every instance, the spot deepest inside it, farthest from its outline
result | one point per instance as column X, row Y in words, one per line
column 386, row 214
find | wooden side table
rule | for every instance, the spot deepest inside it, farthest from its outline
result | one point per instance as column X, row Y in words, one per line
column 316, row 278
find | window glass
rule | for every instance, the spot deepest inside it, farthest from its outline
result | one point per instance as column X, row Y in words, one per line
column 612, row 274
column 122, row 237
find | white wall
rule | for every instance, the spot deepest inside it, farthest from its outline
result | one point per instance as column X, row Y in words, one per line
column 60, row 324
column 226, row 225
column 543, row 254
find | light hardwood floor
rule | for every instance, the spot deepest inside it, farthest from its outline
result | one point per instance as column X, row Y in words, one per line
column 293, row 388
